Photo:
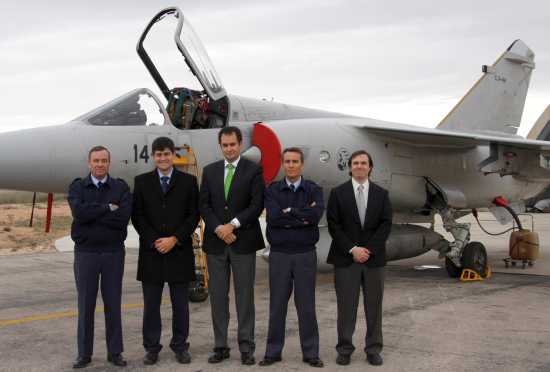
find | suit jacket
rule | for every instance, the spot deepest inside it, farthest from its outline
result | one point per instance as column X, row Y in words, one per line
column 345, row 226
column 157, row 215
column 245, row 202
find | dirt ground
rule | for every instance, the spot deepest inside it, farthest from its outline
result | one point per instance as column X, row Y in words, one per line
column 17, row 237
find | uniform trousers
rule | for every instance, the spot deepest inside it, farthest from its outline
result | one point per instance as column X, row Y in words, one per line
column 92, row 269
column 288, row 271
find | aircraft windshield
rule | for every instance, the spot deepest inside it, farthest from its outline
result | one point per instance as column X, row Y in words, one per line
column 197, row 54
column 137, row 108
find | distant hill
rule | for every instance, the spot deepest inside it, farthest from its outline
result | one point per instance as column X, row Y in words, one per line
column 16, row 197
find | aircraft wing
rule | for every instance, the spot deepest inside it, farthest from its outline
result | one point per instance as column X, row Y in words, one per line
column 428, row 137
column 512, row 155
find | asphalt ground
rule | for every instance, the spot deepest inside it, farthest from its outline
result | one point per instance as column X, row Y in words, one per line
column 431, row 322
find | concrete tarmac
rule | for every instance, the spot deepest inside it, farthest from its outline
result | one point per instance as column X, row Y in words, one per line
column 431, row 322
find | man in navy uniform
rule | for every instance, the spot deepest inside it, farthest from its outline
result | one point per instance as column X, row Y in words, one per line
column 359, row 217
column 101, row 207
column 165, row 215
column 294, row 207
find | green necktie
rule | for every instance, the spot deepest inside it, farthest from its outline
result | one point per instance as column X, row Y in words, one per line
column 228, row 179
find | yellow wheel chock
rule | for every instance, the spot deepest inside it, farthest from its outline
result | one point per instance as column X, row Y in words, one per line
column 469, row 275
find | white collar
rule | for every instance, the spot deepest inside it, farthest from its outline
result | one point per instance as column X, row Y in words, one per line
column 296, row 184
column 96, row 181
column 356, row 185
column 234, row 162
column 169, row 175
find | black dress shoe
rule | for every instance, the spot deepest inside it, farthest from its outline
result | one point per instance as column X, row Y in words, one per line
column 375, row 359
column 82, row 362
column 150, row 358
column 183, row 357
column 247, row 359
column 267, row 361
column 117, row 360
column 342, row 359
column 314, row 362
column 218, row 355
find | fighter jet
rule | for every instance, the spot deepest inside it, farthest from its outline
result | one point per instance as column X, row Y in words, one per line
column 472, row 159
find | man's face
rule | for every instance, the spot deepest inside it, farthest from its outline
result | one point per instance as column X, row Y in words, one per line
column 231, row 147
column 360, row 167
column 292, row 165
column 164, row 159
column 99, row 163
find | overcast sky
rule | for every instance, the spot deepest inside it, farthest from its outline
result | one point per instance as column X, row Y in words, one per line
column 407, row 62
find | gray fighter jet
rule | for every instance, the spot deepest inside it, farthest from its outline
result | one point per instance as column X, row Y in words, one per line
column 471, row 160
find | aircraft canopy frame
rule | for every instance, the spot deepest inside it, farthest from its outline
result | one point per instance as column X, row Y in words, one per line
column 194, row 53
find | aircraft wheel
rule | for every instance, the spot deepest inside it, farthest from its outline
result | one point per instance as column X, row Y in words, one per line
column 474, row 257
column 197, row 291
column 198, row 294
column 452, row 270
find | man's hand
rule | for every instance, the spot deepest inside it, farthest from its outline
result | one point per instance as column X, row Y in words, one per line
column 286, row 210
column 360, row 254
column 222, row 231
column 113, row 207
column 230, row 238
column 313, row 204
column 165, row 245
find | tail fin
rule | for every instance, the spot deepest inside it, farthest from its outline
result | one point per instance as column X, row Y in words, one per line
column 541, row 129
column 495, row 102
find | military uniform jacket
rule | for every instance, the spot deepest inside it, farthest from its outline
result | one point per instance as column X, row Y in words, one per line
column 157, row 215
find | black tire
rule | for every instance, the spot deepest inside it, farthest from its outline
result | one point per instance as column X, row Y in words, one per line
column 452, row 270
column 198, row 296
column 197, row 292
column 474, row 257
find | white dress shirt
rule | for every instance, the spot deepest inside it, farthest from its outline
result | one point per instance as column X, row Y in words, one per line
column 96, row 181
column 169, row 175
column 296, row 184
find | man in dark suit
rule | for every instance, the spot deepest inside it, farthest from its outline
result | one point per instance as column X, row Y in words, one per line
column 294, row 207
column 165, row 216
column 231, row 200
column 101, row 207
column 359, row 219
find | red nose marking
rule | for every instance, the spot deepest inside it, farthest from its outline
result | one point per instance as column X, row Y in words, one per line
column 500, row 201
column 266, row 140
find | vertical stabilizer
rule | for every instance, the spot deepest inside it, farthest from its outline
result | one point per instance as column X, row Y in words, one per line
column 495, row 102
column 541, row 129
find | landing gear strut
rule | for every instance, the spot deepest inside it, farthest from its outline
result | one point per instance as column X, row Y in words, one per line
column 460, row 254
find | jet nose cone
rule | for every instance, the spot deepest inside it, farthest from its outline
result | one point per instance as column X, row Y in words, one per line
column 28, row 158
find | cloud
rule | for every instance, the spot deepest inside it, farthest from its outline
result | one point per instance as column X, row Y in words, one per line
column 402, row 61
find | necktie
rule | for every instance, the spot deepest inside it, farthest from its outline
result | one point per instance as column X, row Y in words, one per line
column 99, row 185
column 164, row 183
column 292, row 187
column 228, row 179
column 361, row 207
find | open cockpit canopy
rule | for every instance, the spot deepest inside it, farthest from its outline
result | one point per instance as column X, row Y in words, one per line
column 201, row 106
